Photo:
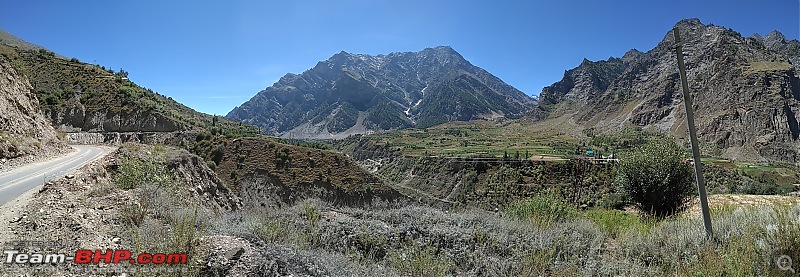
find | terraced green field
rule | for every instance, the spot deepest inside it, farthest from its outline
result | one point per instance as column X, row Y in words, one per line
column 480, row 139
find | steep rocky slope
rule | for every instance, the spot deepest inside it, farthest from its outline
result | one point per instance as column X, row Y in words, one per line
column 356, row 93
column 746, row 90
column 24, row 130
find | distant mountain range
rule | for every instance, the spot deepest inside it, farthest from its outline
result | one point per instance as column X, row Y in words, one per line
column 746, row 92
column 357, row 93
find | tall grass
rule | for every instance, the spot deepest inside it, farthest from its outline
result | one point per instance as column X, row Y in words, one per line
column 746, row 242
column 425, row 241
column 615, row 222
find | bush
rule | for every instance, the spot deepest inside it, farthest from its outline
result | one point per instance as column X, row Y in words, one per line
column 656, row 178
column 134, row 172
column 768, row 188
column 133, row 214
column 543, row 210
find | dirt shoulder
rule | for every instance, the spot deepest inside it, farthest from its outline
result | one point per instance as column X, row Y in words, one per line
column 18, row 210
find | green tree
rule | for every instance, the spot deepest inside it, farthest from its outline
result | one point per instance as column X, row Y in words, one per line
column 656, row 178
column 122, row 73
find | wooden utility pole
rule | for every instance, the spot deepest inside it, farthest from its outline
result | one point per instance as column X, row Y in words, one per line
column 698, row 166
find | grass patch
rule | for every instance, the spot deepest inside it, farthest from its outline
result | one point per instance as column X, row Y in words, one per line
column 746, row 242
column 615, row 222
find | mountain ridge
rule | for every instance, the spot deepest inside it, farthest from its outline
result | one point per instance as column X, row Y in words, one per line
column 358, row 93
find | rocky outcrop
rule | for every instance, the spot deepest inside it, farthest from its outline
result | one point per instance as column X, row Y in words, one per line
column 746, row 92
column 356, row 93
column 24, row 130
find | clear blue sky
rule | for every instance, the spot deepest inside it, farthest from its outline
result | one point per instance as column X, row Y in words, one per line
column 214, row 55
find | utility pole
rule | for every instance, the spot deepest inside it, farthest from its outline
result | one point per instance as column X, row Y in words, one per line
column 698, row 166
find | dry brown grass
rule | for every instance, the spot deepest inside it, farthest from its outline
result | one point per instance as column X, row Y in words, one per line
column 747, row 201
column 767, row 66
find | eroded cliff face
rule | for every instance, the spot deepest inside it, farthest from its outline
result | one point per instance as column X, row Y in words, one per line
column 78, row 119
column 24, row 130
column 204, row 182
column 746, row 92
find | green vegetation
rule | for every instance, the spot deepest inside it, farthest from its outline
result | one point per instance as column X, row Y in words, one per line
column 387, row 116
column 345, row 117
column 421, row 261
column 542, row 210
column 134, row 172
column 724, row 176
column 620, row 142
column 656, row 178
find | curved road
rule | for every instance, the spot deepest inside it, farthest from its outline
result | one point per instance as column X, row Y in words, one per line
column 16, row 182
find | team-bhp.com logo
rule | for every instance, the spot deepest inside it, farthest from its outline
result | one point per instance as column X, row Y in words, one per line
column 85, row 256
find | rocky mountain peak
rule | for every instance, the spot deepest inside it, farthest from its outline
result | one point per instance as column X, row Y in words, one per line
column 356, row 93
column 631, row 55
column 690, row 22
column 441, row 49
column 774, row 40
column 775, row 36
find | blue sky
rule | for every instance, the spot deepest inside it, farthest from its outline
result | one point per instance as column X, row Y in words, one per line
column 215, row 55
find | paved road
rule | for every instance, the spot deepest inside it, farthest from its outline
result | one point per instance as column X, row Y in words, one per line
column 16, row 182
